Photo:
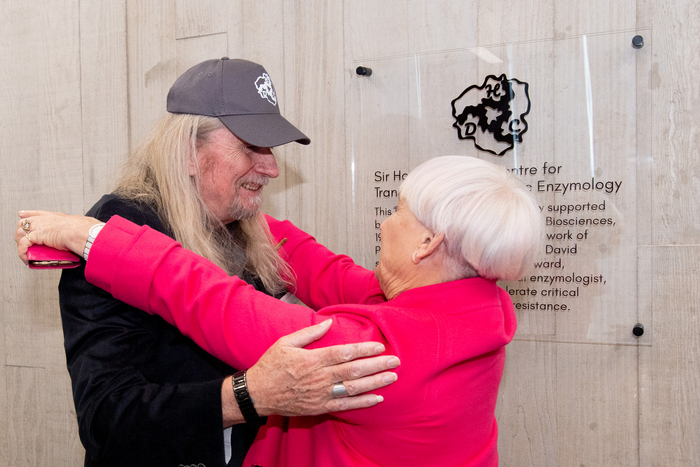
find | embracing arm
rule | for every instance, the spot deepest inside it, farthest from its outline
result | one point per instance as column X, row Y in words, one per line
column 322, row 277
column 223, row 314
column 232, row 321
column 303, row 390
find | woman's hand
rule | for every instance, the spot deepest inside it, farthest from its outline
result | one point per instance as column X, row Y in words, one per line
column 54, row 229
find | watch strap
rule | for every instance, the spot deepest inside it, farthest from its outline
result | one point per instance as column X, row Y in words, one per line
column 245, row 402
column 92, row 234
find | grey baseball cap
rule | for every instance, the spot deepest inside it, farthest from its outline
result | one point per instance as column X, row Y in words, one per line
column 240, row 93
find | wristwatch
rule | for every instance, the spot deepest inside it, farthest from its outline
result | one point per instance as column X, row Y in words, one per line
column 245, row 402
column 92, row 234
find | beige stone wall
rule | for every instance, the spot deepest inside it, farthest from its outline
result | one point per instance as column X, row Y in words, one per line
column 82, row 81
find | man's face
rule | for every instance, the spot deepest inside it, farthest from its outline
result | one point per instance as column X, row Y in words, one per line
column 232, row 175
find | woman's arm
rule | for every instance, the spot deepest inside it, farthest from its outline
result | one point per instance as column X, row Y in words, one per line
column 303, row 392
column 322, row 277
column 222, row 314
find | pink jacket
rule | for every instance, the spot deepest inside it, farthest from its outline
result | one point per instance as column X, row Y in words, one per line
column 450, row 338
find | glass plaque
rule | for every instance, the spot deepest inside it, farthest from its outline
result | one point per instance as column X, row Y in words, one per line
column 576, row 118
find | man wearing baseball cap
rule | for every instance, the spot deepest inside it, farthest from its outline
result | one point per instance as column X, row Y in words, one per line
column 145, row 395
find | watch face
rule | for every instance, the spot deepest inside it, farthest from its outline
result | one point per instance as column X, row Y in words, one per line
column 95, row 229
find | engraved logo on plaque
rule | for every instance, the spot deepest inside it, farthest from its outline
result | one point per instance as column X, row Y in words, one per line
column 493, row 115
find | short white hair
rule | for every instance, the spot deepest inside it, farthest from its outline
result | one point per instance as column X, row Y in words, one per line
column 491, row 222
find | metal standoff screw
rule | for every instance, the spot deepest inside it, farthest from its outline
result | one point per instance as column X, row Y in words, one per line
column 363, row 71
column 637, row 42
column 638, row 330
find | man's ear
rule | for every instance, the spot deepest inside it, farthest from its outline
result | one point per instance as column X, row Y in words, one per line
column 427, row 247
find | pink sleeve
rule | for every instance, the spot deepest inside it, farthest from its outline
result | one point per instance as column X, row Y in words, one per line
column 224, row 315
column 323, row 278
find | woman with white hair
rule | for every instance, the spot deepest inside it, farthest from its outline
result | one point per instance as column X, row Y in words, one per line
column 461, row 224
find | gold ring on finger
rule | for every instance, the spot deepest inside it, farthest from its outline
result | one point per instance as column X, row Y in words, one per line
column 26, row 225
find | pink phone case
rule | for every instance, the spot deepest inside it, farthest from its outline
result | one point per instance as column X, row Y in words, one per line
column 44, row 257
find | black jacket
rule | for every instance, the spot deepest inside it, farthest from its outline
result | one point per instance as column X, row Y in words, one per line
column 144, row 394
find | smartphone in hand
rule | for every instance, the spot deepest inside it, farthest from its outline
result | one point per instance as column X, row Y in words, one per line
column 45, row 257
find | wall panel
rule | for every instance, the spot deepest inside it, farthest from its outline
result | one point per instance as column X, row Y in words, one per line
column 593, row 17
column 457, row 22
column 4, row 405
column 597, row 405
column 527, row 406
column 200, row 18
column 104, row 94
column 670, row 370
column 505, row 22
column 60, row 81
column 314, row 77
column 24, row 430
column 375, row 30
column 151, row 52
column 677, row 118
column 40, row 162
column 41, row 429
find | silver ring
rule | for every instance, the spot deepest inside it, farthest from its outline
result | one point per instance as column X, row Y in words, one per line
column 26, row 225
column 339, row 390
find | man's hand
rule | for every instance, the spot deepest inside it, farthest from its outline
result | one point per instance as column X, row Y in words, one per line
column 289, row 380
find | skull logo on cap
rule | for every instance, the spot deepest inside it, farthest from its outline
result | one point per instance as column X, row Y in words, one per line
column 264, row 86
